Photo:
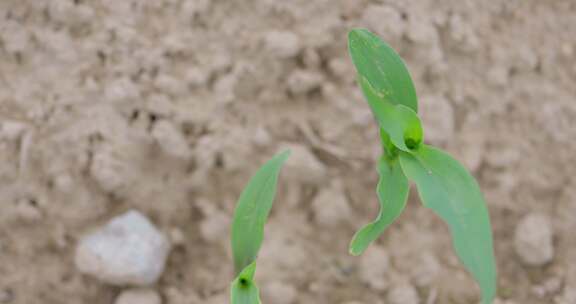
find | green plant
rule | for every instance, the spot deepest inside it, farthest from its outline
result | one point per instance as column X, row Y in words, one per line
column 251, row 212
column 444, row 185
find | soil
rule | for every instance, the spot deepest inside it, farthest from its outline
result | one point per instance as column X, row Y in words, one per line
column 168, row 107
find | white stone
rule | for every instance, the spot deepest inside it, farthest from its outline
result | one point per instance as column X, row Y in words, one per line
column 330, row 207
column 138, row 296
column 279, row 293
column 403, row 294
column 128, row 250
column 533, row 240
column 283, row 44
column 374, row 265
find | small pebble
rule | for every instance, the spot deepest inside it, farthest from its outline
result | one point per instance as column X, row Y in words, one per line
column 138, row 296
column 533, row 240
column 128, row 250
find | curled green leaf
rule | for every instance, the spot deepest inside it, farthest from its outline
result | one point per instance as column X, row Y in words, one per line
column 401, row 123
column 244, row 290
column 382, row 67
column 447, row 188
column 392, row 193
column 252, row 211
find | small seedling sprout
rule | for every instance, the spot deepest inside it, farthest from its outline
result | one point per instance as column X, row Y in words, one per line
column 444, row 185
column 251, row 212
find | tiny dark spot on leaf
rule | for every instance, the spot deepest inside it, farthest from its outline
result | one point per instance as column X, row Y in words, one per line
column 243, row 282
column 411, row 143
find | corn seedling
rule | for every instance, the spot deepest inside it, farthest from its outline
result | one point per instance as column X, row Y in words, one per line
column 443, row 184
column 251, row 212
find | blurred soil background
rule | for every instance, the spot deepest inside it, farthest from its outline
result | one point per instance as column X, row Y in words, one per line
column 167, row 108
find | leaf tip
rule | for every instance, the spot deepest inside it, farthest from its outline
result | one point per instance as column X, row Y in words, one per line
column 353, row 251
column 356, row 248
column 285, row 154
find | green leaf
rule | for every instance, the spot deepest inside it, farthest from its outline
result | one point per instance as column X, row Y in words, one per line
column 243, row 289
column 398, row 121
column 450, row 191
column 392, row 193
column 382, row 67
column 252, row 211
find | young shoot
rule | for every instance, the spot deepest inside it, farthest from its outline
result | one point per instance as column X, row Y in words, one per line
column 443, row 184
column 251, row 212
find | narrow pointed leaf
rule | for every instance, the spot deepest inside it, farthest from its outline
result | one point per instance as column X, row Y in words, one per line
column 398, row 121
column 392, row 193
column 382, row 67
column 252, row 211
column 450, row 191
column 244, row 289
